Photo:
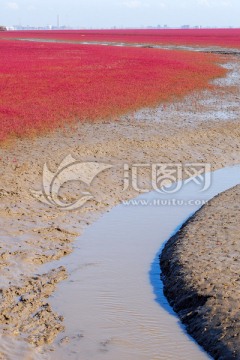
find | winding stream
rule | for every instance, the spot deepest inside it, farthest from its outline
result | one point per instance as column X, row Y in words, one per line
column 113, row 302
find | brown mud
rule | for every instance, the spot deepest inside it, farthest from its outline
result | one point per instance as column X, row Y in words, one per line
column 200, row 271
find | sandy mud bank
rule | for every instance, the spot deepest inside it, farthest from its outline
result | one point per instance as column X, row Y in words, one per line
column 200, row 266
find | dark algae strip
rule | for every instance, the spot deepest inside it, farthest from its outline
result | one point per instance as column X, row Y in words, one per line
column 201, row 275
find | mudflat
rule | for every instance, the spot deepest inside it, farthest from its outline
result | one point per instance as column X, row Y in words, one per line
column 201, row 275
column 203, row 128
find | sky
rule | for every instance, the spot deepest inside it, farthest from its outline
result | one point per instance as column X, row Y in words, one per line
column 120, row 13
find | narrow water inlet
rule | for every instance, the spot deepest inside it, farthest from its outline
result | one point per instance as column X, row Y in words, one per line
column 112, row 302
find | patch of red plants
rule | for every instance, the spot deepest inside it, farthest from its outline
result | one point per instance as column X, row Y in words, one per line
column 200, row 37
column 45, row 85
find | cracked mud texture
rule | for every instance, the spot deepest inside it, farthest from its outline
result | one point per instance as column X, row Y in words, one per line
column 201, row 275
column 25, row 309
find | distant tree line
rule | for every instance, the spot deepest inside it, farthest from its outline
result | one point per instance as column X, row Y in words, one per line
column 3, row 28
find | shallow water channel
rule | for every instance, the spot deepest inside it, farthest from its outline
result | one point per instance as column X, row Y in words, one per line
column 112, row 302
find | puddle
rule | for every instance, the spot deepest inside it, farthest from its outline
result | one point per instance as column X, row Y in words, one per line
column 112, row 302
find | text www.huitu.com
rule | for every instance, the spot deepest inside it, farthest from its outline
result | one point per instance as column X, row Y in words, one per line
column 162, row 202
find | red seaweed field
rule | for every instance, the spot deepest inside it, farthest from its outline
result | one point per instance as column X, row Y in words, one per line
column 196, row 37
column 45, row 85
